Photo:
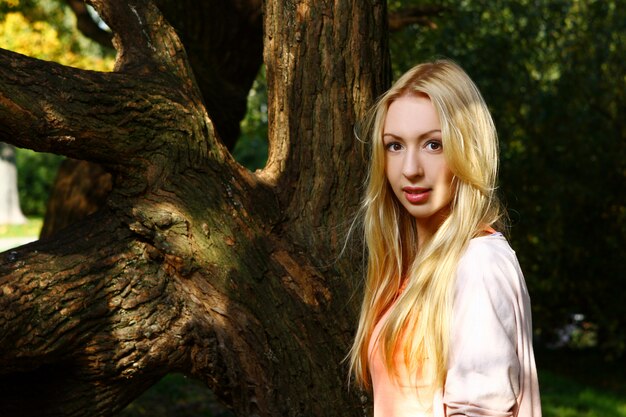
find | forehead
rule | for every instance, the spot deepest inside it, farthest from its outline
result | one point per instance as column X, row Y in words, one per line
column 410, row 115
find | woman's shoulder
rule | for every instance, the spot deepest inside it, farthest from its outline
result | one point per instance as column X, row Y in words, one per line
column 489, row 260
column 490, row 248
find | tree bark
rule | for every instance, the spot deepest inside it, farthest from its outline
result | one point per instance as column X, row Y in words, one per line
column 194, row 264
column 224, row 43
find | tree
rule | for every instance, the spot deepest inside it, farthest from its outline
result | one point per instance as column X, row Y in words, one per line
column 224, row 79
column 10, row 211
column 194, row 264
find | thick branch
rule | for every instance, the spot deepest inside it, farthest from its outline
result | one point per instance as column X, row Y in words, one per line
column 224, row 43
column 113, row 302
column 88, row 115
column 51, row 108
column 144, row 41
column 210, row 34
column 323, row 73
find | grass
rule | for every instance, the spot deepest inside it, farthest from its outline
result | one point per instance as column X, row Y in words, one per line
column 564, row 397
column 176, row 396
column 28, row 229
column 572, row 383
column 581, row 384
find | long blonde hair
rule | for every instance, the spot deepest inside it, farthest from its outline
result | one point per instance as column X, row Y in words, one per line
column 423, row 309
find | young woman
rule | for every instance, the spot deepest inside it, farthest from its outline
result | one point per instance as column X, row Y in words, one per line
column 445, row 325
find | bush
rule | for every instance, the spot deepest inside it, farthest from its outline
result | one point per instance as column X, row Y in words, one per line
column 35, row 175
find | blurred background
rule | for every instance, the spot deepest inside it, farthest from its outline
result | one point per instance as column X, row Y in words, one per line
column 554, row 76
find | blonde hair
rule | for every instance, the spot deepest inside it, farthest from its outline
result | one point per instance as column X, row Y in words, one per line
column 418, row 324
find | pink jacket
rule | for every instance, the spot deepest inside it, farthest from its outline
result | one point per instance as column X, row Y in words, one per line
column 491, row 366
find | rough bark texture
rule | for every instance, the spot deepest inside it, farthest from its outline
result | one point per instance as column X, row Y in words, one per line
column 194, row 265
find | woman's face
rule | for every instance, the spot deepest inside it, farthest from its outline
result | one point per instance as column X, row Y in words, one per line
column 414, row 162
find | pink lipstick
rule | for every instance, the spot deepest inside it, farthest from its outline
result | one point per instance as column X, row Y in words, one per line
column 416, row 195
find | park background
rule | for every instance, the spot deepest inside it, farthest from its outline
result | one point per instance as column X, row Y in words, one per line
column 554, row 76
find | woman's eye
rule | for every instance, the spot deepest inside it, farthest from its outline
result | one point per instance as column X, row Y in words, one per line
column 434, row 145
column 393, row 146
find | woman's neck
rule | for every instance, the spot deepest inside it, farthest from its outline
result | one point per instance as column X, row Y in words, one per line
column 427, row 227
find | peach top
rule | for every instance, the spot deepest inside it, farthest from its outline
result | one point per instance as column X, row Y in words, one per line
column 491, row 365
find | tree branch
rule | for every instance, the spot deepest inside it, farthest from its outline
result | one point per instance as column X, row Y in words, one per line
column 89, row 115
column 115, row 306
column 144, row 41
column 323, row 99
column 421, row 15
column 223, row 77
column 51, row 108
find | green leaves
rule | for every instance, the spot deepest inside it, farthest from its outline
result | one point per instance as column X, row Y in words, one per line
column 552, row 72
column 35, row 175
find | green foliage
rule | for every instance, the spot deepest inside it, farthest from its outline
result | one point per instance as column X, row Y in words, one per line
column 581, row 383
column 251, row 147
column 45, row 29
column 563, row 397
column 176, row 396
column 35, row 175
column 552, row 72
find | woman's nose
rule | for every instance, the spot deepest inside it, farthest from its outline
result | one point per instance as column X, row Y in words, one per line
column 412, row 166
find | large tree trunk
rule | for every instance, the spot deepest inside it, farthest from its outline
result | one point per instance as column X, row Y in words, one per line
column 195, row 264
column 10, row 211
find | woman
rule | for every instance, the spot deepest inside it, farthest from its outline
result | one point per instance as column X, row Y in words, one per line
column 445, row 326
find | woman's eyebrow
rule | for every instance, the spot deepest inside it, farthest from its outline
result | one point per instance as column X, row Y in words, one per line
column 392, row 135
column 430, row 132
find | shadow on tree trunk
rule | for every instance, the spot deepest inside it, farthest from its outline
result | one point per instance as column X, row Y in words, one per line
column 194, row 264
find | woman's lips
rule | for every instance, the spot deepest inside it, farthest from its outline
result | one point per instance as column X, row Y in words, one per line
column 416, row 195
